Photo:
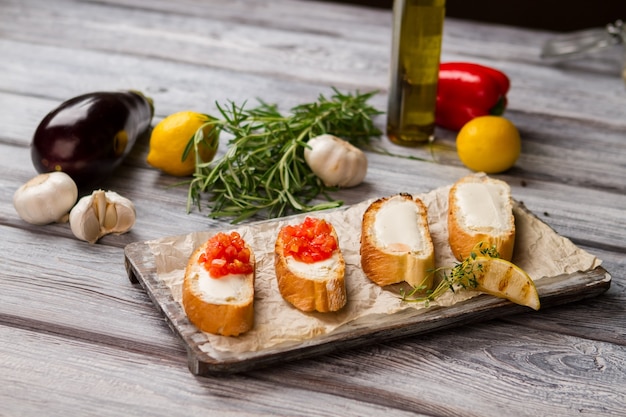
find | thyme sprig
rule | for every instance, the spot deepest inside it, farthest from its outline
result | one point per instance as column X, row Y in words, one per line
column 263, row 170
column 462, row 275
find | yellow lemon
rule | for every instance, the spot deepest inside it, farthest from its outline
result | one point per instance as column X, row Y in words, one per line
column 504, row 279
column 170, row 138
column 490, row 144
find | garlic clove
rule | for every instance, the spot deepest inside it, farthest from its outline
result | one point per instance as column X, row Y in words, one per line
column 46, row 198
column 110, row 217
column 90, row 226
column 99, row 202
column 100, row 214
column 125, row 217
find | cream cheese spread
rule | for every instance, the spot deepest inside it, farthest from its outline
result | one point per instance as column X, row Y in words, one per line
column 222, row 290
column 483, row 205
column 319, row 270
column 397, row 226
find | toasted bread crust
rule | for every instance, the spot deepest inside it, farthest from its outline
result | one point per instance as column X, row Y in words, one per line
column 229, row 319
column 463, row 240
column 306, row 293
column 385, row 267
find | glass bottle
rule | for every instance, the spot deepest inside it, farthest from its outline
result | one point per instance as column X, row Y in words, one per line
column 415, row 53
column 581, row 44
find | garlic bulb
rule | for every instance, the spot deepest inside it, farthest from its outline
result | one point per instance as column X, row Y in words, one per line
column 101, row 213
column 336, row 162
column 46, row 198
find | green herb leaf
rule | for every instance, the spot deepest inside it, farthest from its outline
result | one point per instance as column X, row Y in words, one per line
column 461, row 275
column 263, row 171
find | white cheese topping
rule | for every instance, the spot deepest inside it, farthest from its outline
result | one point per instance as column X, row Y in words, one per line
column 315, row 270
column 224, row 290
column 484, row 205
column 397, row 228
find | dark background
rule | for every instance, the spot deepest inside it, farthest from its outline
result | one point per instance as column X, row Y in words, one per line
column 554, row 15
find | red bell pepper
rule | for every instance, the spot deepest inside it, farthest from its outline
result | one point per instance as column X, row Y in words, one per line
column 466, row 90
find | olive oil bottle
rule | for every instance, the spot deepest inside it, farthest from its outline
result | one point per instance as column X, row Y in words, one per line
column 416, row 49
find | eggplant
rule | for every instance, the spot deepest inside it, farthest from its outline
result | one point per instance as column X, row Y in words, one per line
column 88, row 136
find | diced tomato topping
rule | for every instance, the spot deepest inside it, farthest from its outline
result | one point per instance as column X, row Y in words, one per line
column 309, row 242
column 226, row 254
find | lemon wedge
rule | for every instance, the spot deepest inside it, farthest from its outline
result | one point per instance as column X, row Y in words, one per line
column 504, row 279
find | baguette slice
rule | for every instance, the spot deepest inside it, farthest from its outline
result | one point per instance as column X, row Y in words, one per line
column 396, row 244
column 318, row 286
column 480, row 209
column 222, row 306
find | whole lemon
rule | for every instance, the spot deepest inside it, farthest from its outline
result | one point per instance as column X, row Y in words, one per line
column 170, row 138
column 490, row 144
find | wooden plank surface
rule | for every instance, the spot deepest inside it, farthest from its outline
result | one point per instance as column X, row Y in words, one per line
column 77, row 338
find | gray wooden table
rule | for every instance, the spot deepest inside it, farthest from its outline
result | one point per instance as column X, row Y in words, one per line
column 77, row 338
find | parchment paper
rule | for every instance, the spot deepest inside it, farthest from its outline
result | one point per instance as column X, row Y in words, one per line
column 539, row 250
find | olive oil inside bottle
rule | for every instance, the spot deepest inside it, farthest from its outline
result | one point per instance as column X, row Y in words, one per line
column 416, row 49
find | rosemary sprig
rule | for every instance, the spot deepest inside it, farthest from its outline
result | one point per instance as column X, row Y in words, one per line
column 461, row 275
column 263, row 170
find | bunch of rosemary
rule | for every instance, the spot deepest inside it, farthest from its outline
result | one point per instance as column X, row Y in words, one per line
column 461, row 275
column 263, row 170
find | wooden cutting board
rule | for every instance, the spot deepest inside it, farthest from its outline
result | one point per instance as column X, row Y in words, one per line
column 556, row 290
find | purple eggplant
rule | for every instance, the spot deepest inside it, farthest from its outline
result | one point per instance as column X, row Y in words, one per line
column 88, row 136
